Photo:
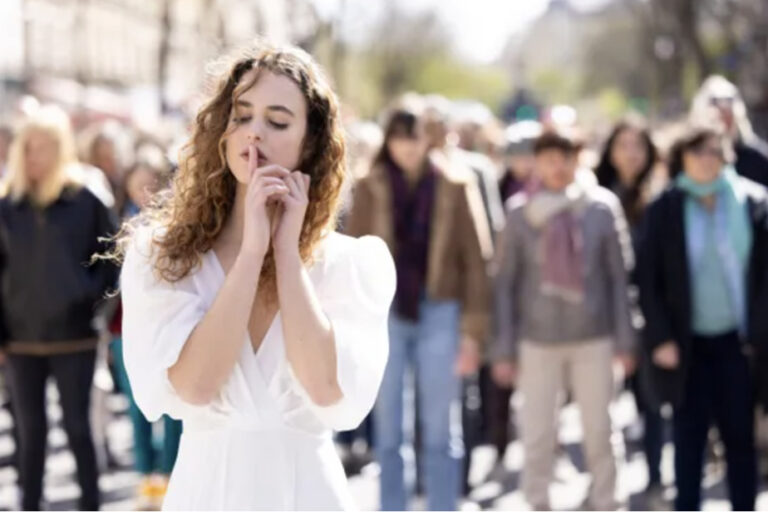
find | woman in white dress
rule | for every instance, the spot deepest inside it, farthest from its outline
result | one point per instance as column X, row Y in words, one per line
column 245, row 316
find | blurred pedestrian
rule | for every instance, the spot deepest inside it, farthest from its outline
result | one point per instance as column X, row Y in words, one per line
column 440, row 312
column 626, row 167
column 482, row 400
column 103, row 152
column 142, row 182
column 50, row 227
column 704, row 263
column 519, row 160
column 718, row 103
column 563, row 315
column 6, row 137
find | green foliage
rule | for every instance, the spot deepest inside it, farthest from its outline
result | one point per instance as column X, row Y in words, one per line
column 455, row 79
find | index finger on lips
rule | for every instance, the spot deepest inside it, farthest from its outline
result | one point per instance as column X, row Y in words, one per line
column 253, row 159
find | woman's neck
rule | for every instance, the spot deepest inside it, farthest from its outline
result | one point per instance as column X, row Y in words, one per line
column 626, row 179
column 412, row 176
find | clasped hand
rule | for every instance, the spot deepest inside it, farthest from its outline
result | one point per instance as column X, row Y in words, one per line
column 275, row 205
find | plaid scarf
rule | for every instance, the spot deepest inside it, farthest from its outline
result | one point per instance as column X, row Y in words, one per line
column 558, row 215
column 412, row 210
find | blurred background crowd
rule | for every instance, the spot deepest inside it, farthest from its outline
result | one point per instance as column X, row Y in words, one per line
column 505, row 98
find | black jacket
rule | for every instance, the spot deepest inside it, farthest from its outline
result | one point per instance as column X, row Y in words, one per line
column 665, row 295
column 48, row 289
column 752, row 161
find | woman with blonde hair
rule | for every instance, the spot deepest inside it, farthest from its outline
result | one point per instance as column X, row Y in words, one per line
column 245, row 315
column 50, row 227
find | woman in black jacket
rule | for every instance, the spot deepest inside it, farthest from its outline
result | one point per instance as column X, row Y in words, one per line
column 626, row 168
column 704, row 294
column 50, row 227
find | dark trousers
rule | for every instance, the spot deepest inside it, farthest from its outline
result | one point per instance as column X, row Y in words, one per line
column 653, row 423
column 8, row 406
column 718, row 387
column 497, row 408
column 364, row 431
column 485, row 417
column 73, row 374
column 653, row 442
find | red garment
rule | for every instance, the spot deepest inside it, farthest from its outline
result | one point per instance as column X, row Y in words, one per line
column 116, row 325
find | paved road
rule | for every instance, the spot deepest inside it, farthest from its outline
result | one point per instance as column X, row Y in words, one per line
column 499, row 492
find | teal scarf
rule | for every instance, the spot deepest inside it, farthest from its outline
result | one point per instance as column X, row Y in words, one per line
column 733, row 231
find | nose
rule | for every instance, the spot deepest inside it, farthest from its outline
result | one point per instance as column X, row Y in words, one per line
column 255, row 132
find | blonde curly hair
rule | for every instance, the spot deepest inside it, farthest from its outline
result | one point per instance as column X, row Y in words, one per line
column 193, row 211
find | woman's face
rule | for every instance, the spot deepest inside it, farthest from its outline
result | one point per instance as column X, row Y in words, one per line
column 140, row 186
column 703, row 163
column 408, row 151
column 522, row 165
column 629, row 154
column 40, row 155
column 272, row 114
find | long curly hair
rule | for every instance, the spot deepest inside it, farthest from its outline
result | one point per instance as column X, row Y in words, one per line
column 193, row 211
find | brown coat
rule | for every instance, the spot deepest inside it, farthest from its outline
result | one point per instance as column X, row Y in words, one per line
column 458, row 247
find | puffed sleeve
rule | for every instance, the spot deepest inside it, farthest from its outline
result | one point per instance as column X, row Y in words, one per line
column 356, row 297
column 158, row 317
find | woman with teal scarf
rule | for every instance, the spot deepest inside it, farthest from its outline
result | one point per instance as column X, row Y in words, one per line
column 703, row 265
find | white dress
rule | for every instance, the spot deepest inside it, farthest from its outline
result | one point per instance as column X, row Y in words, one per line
column 262, row 443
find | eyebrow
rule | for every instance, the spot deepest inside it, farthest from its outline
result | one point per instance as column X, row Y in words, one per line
column 278, row 108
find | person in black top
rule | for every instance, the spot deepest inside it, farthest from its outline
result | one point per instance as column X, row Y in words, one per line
column 626, row 168
column 704, row 292
column 50, row 229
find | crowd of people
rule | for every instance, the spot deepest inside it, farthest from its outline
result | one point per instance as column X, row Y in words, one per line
column 539, row 259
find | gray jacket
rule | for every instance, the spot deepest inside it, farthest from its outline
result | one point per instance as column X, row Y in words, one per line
column 523, row 312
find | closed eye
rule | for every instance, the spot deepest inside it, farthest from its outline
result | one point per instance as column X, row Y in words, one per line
column 242, row 119
column 278, row 126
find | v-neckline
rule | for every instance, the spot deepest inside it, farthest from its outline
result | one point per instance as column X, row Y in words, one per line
column 251, row 350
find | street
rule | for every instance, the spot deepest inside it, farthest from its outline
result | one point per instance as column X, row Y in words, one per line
column 498, row 493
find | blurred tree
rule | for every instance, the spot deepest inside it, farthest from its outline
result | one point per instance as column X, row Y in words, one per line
column 403, row 51
column 656, row 51
column 403, row 44
column 694, row 38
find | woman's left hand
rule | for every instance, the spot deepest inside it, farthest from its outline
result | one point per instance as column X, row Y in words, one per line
column 288, row 223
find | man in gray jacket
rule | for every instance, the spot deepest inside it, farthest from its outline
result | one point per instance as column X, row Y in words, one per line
column 562, row 314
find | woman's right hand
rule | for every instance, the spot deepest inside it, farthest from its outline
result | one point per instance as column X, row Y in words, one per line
column 667, row 355
column 266, row 183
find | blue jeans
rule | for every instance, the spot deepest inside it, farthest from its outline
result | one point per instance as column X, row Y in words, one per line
column 429, row 349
